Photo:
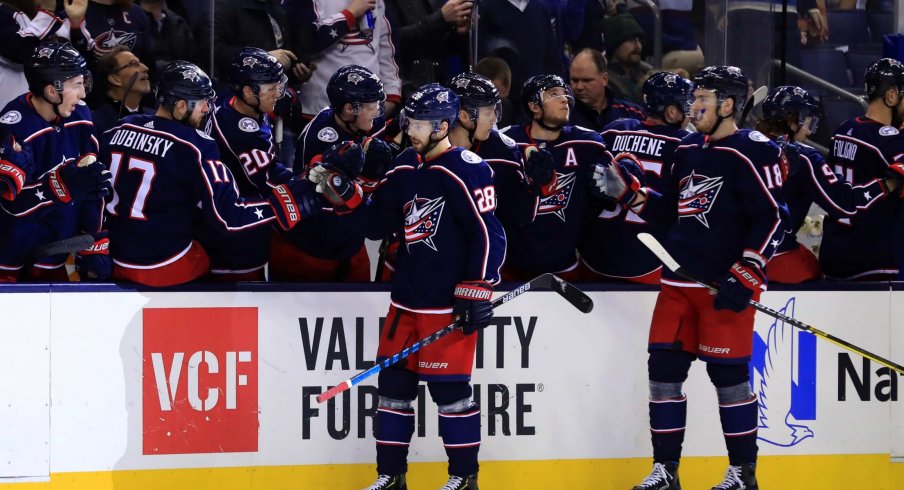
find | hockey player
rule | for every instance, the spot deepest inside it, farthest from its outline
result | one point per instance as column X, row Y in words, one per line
column 168, row 175
column 790, row 115
column 549, row 243
column 481, row 108
column 441, row 200
column 725, row 223
column 862, row 149
column 244, row 133
column 330, row 247
column 66, row 185
column 609, row 248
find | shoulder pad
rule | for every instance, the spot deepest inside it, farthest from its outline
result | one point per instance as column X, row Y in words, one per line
column 758, row 137
column 507, row 141
column 888, row 131
column 327, row 135
column 248, row 125
column 11, row 117
column 470, row 157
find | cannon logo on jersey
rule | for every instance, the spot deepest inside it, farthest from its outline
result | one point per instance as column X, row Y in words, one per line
column 11, row 117
column 422, row 220
column 248, row 125
column 697, row 195
column 558, row 201
column 328, row 135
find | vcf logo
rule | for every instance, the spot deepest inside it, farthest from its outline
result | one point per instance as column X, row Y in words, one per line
column 783, row 375
column 200, row 388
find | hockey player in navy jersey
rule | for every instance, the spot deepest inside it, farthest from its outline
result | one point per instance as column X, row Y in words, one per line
column 168, row 176
column 60, row 185
column 549, row 243
column 330, row 246
column 441, row 200
column 609, row 247
column 244, row 133
column 481, row 109
column 790, row 115
column 724, row 224
column 864, row 148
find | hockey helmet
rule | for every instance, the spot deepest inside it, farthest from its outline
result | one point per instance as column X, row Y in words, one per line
column 787, row 99
column 534, row 87
column 354, row 85
column 254, row 67
column 475, row 91
column 665, row 89
column 431, row 102
column 53, row 64
column 726, row 81
column 882, row 75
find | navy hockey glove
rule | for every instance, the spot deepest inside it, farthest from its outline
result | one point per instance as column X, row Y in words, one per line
column 473, row 306
column 540, row 170
column 620, row 180
column 94, row 263
column 736, row 289
column 343, row 194
column 377, row 160
column 294, row 200
column 87, row 180
column 346, row 158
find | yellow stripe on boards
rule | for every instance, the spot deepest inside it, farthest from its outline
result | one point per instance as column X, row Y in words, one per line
column 834, row 472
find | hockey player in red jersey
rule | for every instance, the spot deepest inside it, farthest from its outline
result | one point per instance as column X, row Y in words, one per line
column 441, row 201
column 725, row 222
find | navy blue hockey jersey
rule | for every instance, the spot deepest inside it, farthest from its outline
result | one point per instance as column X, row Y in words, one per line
column 443, row 209
column 33, row 218
column 722, row 202
column 516, row 205
column 167, row 175
column 549, row 243
column 811, row 180
column 609, row 245
column 862, row 149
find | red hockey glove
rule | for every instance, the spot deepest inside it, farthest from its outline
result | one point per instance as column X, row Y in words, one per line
column 473, row 305
column 87, row 180
column 343, row 194
column 293, row 201
column 94, row 263
column 736, row 289
column 15, row 166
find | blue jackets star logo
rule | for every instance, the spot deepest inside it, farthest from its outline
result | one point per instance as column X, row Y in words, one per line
column 697, row 195
column 422, row 218
column 558, row 201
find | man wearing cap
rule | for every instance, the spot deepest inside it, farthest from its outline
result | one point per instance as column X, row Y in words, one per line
column 624, row 44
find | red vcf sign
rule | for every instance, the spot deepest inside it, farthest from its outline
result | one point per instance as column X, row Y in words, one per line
column 200, row 380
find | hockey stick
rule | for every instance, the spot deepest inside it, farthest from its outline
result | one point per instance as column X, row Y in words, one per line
column 573, row 295
column 759, row 95
column 472, row 34
column 670, row 262
column 65, row 246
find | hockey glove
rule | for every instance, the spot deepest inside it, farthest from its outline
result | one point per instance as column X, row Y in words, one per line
column 540, row 170
column 88, row 180
column 94, row 263
column 343, row 194
column 736, row 289
column 377, row 161
column 473, row 306
column 345, row 158
column 293, row 201
column 620, row 180
column 15, row 167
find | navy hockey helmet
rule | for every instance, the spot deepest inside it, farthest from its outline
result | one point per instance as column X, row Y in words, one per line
column 53, row 64
column 355, row 85
column 665, row 89
column 726, row 81
column 431, row 102
column 534, row 87
column 181, row 80
column 254, row 67
column 787, row 99
column 882, row 75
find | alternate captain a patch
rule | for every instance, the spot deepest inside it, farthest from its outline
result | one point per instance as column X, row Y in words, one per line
column 697, row 195
column 422, row 218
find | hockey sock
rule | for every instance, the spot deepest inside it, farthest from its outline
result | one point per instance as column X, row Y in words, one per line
column 393, row 430
column 667, row 421
column 461, row 437
column 739, row 425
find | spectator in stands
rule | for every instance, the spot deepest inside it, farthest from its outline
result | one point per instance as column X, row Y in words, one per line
column 591, row 35
column 595, row 105
column 124, row 81
column 498, row 72
column 173, row 38
column 567, row 18
column 624, row 45
column 679, row 48
column 427, row 37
